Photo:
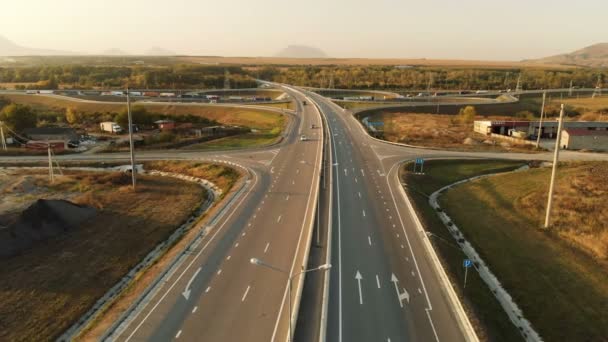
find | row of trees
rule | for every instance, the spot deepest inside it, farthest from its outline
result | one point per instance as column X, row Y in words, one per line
column 83, row 76
column 392, row 78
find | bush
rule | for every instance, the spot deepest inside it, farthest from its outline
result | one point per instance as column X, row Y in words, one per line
column 525, row 114
column 467, row 114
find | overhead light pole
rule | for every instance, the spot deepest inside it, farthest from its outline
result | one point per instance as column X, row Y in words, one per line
column 133, row 170
column 554, row 170
column 2, row 136
column 258, row 262
column 540, row 121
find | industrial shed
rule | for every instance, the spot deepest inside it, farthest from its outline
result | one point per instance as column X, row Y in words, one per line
column 577, row 139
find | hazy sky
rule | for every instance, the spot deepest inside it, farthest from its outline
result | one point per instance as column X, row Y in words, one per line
column 467, row 29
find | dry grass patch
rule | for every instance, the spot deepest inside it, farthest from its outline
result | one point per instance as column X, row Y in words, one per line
column 437, row 130
column 46, row 288
column 222, row 176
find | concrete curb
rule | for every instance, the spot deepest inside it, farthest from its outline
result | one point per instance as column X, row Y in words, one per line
column 506, row 301
column 327, row 278
column 457, row 308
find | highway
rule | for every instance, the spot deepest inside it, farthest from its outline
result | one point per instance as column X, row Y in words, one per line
column 384, row 284
column 217, row 295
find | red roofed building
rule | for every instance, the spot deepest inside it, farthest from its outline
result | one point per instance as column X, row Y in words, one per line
column 587, row 139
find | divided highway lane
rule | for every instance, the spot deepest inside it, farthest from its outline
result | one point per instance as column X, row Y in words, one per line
column 218, row 295
column 383, row 285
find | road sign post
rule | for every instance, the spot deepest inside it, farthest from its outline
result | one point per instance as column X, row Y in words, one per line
column 467, row 263
column 419, row 161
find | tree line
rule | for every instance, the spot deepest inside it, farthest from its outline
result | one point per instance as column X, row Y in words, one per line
column 435, row 78
column 181, row 76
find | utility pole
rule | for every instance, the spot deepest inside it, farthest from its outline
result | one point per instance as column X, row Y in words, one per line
column 51, row 175
column 133, row 170
column 518, row 86
column 226, row 79
column 554, row 170
column 2, row 136
column 540, row 121
column 598, row 87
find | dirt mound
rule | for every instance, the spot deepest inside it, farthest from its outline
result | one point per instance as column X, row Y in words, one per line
column 42, row 220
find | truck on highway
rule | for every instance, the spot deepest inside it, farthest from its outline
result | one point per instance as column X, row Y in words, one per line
column 111, row 127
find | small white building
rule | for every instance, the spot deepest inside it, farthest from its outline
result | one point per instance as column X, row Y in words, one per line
column 577, row 139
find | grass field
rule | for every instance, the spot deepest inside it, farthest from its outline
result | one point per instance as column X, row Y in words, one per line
column 253, row 118
column 592, row 109
column 486, row 314
column 46, row 288
column 436, row 130
column 558, row 277
column 248, row 140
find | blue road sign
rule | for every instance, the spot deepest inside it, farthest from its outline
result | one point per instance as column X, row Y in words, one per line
column 419, row 161
column 467, row 263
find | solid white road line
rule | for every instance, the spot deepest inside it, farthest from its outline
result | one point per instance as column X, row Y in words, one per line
column 245, row 294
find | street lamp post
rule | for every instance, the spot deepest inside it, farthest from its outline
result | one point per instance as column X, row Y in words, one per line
column 258, row 262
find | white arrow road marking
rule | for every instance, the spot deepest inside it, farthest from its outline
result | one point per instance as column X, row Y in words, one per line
column 359, row 277
column 403, row 295
column 187, row 291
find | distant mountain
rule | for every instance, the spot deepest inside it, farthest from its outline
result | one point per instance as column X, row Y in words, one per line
column 301, row 51
column 592, row 56
column 158, row 51
column 114, row 52
column 8, row 48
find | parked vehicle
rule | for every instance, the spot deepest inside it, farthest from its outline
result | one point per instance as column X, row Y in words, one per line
column 111, row 127
column 303, row 138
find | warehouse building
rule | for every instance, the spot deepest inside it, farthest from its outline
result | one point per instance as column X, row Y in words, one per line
column 579, row 139
column 51, row 133
column 530, row 129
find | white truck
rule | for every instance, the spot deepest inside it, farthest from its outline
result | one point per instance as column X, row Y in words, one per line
column 111, row 127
